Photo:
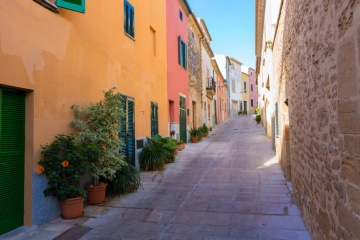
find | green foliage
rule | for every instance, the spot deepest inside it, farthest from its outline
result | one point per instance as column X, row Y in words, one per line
column 126, row 180
column 98, row 126
column 199, row 133
column 205, row 129
column 168, row 146
column 64, row 165
column 240, row 112
column 258, row 118
column 257, row 111
column 193, row 132
column 244, row 112
column 178, row 143
column 152, row 156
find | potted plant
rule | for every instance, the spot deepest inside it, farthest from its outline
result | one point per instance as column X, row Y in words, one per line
column 258, row 119
column 99, row 125
column 193, row 135
column 240, row 112
column 181, row 145
column 152, row 156
column 244, row 112
column 200, row 133
column 64, row 167
column 205, row 130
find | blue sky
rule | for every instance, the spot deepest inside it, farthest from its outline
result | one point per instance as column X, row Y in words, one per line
column 231, row 24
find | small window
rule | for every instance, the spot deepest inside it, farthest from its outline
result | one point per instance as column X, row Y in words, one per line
column 129, row 21
column 252, row 102
column 251, row 88
column 244, row 87
column 250, row 73
column 180, row 15
column 74, row 5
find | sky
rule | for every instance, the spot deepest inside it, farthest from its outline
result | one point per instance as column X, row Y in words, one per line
column 231, row 24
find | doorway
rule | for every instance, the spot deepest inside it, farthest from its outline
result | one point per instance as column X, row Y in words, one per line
column 127, row 131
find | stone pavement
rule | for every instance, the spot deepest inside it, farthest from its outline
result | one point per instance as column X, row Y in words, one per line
column 229, row 186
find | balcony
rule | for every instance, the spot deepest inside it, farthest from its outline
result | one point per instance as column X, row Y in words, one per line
column 210, row 87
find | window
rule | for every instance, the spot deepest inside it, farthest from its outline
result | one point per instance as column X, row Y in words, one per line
column 251, row 87
column 233, row 85
column 180, row 15
column 193, row 63
column 244, row 87
column 182, row 52
column 74, row 5
column 154, row 119
column 252, row 102
column 250, row 73
column 129, row 26
column 276, row 119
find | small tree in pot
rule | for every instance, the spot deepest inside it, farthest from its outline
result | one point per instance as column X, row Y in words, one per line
column 99, row 125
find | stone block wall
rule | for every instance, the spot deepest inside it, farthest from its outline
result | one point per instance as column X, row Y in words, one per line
column 317, row 49
column 195, row 75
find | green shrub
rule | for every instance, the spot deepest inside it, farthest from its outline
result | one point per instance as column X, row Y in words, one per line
column 240, row 112
column 168, row 146
column 258, row 118
column 152, row 156
column 205, row 129
column 126, row 180
column 257, row 111
column 193, row 132
column 199, row 133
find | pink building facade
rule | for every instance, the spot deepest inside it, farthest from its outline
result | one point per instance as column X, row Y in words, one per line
column 177, row 73
column 253, row 91
column 221, row 94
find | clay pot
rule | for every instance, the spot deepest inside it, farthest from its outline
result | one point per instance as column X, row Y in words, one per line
column 176, row 151
column 96, row 194
column 194, row 139
column 205, row 134
column 181, row 146
column 72, row 208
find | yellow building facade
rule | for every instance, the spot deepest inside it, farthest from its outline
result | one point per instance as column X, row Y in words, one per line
column 54, row 60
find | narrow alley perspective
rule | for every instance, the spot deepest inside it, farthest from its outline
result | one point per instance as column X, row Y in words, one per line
column 229, row 186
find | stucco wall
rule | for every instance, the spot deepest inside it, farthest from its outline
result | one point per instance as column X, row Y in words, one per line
column 66, row 58
column 318, row 70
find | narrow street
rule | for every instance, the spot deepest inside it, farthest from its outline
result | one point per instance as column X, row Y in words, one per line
column 228, row 186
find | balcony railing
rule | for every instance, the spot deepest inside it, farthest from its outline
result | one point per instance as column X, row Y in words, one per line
column 211, row 86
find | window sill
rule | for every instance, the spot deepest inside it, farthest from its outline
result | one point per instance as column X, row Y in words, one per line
column 48, row 5
column 130, row 36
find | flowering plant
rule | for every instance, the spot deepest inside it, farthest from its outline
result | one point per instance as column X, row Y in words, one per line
column 64, row 165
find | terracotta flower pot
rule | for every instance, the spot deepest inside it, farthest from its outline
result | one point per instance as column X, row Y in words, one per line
column 205, row 134
column 194, row 139
column 181, row 146
column 176, row 151
column 72, row 208
column 258, row 122
column 96, row 194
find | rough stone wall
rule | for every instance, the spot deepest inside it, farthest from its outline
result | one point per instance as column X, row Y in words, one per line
column 320, row 72
column 195, row 75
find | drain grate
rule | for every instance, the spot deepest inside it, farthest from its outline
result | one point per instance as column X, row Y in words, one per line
column 73, row 233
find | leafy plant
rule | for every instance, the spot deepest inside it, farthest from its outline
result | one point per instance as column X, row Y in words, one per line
column 98, row 126
column 199, row 133
column 258, row 118
column 244, row 112
column 193, row 132
column 205, row 129
column 168, row 145
column 240, row 112
column 257, row 111
column 64, row 165
column 126, row 180
column 152, row 156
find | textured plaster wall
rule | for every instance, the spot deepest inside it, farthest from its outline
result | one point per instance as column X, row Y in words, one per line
column 317, row 65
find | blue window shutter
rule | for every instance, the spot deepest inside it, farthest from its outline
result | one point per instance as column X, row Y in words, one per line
column 180, row 50
column 132, row 21
column 74, row 5
column 126, row 16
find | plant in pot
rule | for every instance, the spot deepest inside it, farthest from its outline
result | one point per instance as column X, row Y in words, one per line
column 205, row 130
column 64, row 166
column 258, row 119
column 244, row 112
column 152, row 156
column 181, row 145
column 99, row 125
column 193, row 135
column 240, row 112
column 200, row 133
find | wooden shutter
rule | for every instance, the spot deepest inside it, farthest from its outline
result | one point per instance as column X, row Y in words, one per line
column 126, row 24
column 180, row 50
column 131, row 21
column 185, row 55
column 154, row 119
column 12, row 148
column 74, row 5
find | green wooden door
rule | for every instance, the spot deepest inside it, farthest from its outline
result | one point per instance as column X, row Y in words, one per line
column 12, row 141
column 127, row 131
column 183, row 135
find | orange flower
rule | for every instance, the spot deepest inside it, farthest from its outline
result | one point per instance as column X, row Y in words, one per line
column 103, row 147
column 40, row 170
column 65, row 163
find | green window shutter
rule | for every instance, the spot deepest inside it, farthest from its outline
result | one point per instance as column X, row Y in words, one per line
column 126, row 17
column 154, row 119
column 185, row 55
column 132, row 21
column 12, row 148
column 74, row 5
column 180, row 50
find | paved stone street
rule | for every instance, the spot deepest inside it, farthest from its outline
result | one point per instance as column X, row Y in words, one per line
column 229, row 186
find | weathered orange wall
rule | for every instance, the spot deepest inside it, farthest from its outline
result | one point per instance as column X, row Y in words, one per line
column 68, row 58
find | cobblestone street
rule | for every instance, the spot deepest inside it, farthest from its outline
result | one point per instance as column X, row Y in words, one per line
column 228, row 186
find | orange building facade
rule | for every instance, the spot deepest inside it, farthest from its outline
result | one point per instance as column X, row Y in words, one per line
column 49, row 61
